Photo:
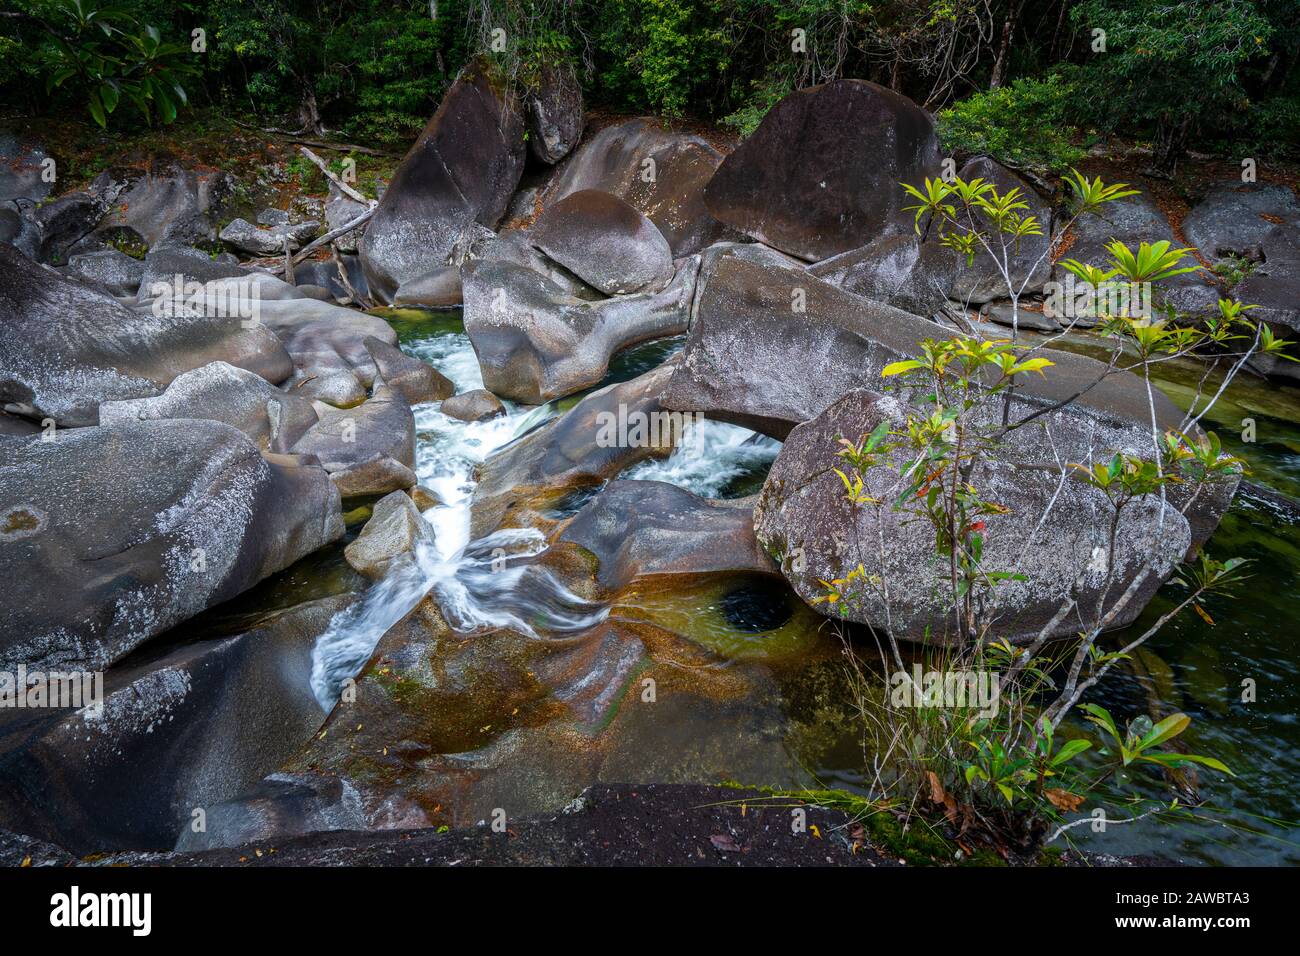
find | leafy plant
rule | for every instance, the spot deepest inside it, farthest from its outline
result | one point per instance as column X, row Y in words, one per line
column 112, row 57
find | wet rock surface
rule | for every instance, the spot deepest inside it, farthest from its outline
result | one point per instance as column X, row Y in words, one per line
column 119, row 532
column 535, row 343
column 180, row 729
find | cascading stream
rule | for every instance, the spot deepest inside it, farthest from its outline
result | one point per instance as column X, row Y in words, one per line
column 490, row 582
column 478, row 584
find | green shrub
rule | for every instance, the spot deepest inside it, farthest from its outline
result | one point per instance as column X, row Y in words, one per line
column 1027, row 124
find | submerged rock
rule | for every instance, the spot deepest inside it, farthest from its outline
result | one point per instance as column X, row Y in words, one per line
column 460, row 172
column 64, row 348
column 801, row 185
column 115, row 534
column 637, row 529
column 605, row 242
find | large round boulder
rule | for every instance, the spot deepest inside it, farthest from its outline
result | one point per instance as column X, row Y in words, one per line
column 821, row 174
column 111, row 535
column 804, row 520
column 605, row 242
column 462, row 171
column 660, row 172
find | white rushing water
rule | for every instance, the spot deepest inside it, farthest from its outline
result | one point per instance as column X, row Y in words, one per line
column 447, row 452
column 489, row 583
column 711, row 455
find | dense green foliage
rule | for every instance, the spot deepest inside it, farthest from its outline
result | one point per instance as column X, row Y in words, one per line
column 1168, row 70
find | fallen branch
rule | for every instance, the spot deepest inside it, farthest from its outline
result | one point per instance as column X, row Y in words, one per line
column 329, row 237
column 319, row 144
column 342, row 186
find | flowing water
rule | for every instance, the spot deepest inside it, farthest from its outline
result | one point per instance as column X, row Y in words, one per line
column 1191, row 665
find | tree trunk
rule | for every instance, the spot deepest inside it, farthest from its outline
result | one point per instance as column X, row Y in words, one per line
column 1170, row 144
column 309, row 114
column 1004, row 45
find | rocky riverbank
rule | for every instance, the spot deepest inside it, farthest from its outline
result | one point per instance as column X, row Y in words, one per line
column 508, row 606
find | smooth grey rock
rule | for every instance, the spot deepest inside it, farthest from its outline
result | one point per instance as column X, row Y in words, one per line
column 804, row 184
column 605, row 242
column 164, row 262
column 1274, row 288
column 65, row 348
column 116, row 270
column 340, row 210
column 115, row 534
column 415, row 380
column 395, row 528
column 475, row 406
column 170, row 202
column 21, row 169
column 436, row 289
column 1024, row 318
column 462, row 170
column 896, row 269
column 534, row 343
column 802, row 511
column 245, row 236
column 656, row 171
column 65, row 222
column 271, row 217
column 1133, row 221
column 1232, row 217
column 189, row 727
column 362, row 440
column 220, row 392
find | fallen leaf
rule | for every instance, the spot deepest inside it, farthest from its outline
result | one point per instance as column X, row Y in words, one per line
column 724, row 843
column 1064, row 800
column 937, row 793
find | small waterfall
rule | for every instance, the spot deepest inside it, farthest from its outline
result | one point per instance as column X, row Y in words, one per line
column 486, row 583
column 712, row 455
